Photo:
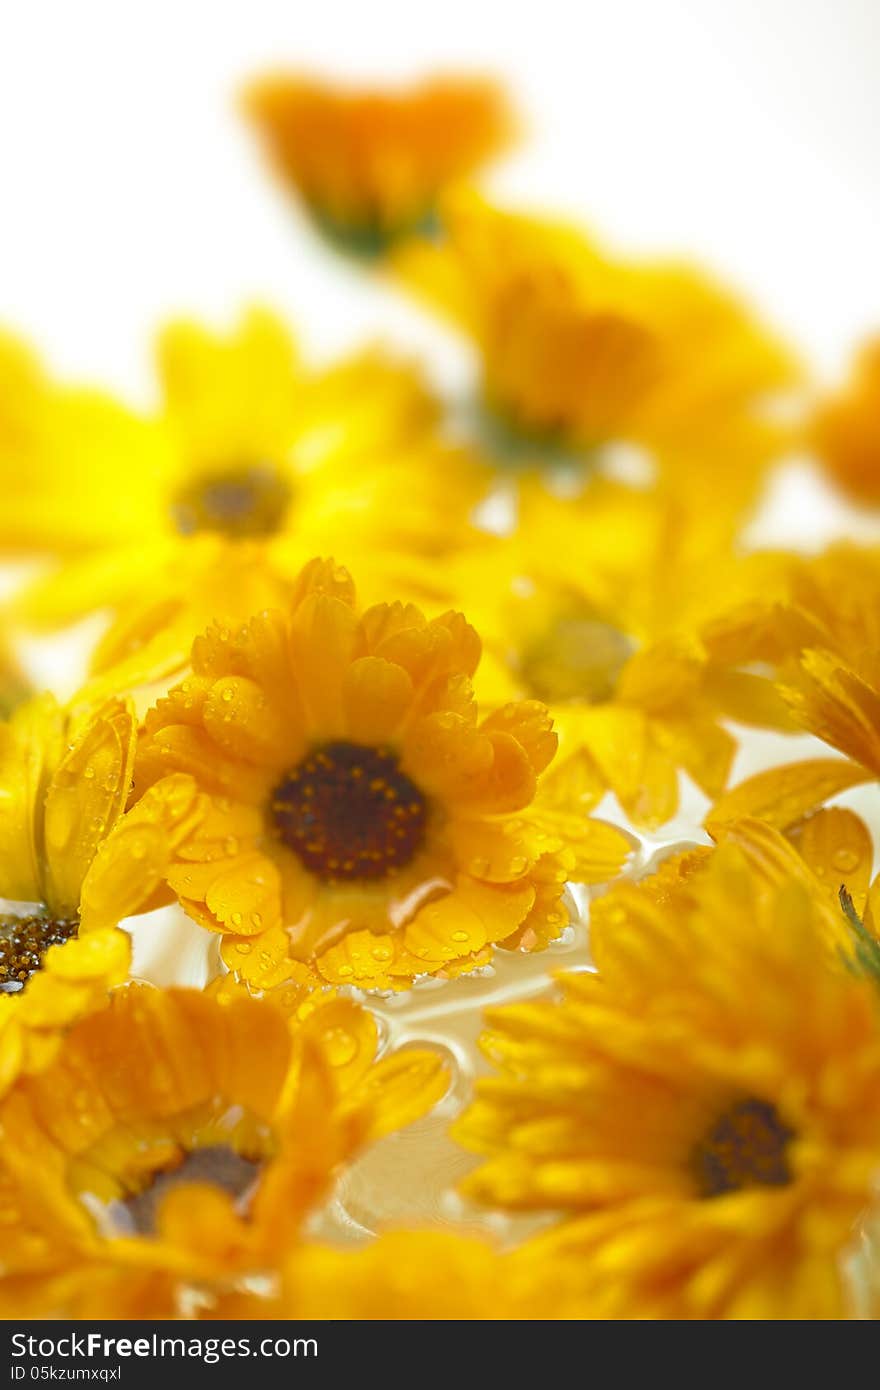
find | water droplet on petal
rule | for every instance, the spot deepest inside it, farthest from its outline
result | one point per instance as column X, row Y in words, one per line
column 845, row 860
column 341, row 1046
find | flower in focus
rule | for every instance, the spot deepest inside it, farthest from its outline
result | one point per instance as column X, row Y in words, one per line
column 252, row 465
column 845, row 430
column 370, row 165
column 705, row 1110
column 177, row 1143
column 579, row 350
column 71, row 867
column 361, row 813
column 597, row 604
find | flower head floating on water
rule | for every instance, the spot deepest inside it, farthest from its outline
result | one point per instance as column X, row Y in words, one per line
column 72, row 865
column 578, row 350
column 705, row 1110
column 597, row 604
column 252, row 465
column 371, row 165
column 360, row 813
column 179, row 1141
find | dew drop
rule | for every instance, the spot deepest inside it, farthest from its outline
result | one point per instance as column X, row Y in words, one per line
column 341, row 1046
column 845, row 860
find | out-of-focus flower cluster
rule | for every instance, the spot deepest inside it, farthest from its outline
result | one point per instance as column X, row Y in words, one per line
column 385, row 689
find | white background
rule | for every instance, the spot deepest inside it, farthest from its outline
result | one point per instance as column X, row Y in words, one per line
column 743, row 132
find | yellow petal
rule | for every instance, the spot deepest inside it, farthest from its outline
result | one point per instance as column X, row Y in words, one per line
column 136, row 856
column 837, row 847
column 400, row 1089
column 31, row 743
column 621, row 742
column 839, row 707
column 263, row 960
column 98, row 956
column 323, row 644
column 703, row 749
column 85, row 798
column 783, row 795
column 361, row 958
column 446, row 929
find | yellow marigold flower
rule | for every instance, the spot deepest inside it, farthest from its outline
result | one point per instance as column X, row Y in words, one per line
column 579, row 348
column 597, row 604
column 252, row 465
column 705, row 1109
column 71, row 866
column 361, row 815
column 178, row 1142
column 370, row 165
column 845, row 430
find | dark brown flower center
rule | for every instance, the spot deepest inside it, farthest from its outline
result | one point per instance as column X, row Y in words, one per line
column 246, row 501
column 24, row 942
column 216, row 1164
column 576, row 659
column 747, row 1146
column 348, row 812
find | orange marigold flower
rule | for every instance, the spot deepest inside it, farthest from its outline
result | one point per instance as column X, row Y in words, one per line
column 177, row 1143
column 359, row 812
column 370, row 165
column 579, row 348
column 704, row 1111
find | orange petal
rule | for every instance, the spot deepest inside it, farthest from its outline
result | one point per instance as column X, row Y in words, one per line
column 243, row 723
column 376, row 694
column 323, row 644
column 246, row 895
column 529, row 722
column 837, row 847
